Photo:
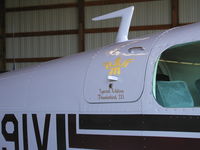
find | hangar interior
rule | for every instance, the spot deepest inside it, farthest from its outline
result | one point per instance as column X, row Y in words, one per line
column 35, row 31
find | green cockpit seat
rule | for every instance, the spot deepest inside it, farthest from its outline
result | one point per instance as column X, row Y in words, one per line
column 174, row 94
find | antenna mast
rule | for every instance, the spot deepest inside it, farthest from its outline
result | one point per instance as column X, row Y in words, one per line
column 126, row 15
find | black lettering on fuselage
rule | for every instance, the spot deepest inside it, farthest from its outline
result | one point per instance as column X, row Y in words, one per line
column 61, row 132
column 25, row 131
column 41, row 137
column 42, row 144
column 11, row 137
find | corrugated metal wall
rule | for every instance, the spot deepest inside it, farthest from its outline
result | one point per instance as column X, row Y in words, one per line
column 189, row 11
column 40, row 20
column 22, row 3
column 146, row 13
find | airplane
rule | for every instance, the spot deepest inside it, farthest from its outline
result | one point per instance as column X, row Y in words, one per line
column 138, row 94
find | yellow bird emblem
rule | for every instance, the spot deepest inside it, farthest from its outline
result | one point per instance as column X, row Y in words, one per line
column 115, row 68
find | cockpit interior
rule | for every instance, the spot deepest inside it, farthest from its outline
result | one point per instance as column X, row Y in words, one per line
column 177, row 76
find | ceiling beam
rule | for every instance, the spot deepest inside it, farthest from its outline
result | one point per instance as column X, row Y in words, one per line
column 69, row 5
column 175, row 12
column 80, row 31
column 26, row 60
column 2, row 39
column 41, row 7
column 111, row 2
column 81, row 25
column 40, row 33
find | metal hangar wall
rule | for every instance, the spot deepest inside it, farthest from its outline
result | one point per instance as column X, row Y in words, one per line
column 37, row 31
